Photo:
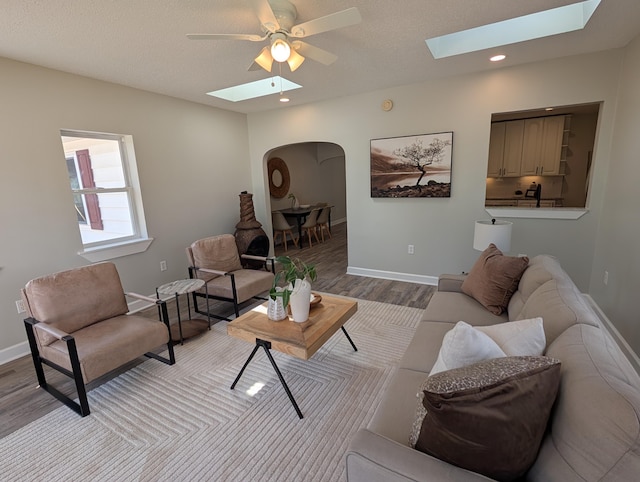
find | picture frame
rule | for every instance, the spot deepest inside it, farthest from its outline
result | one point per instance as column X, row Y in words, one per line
column 412, row 166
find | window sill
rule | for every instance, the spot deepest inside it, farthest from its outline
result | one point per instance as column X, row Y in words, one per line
column 537, row 213
column 104, row 253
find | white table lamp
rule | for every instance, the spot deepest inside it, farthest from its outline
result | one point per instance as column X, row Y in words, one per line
column 496, row 232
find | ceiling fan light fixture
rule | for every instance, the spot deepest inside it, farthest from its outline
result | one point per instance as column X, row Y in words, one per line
column 280, row 48
column 295, row 60
column 265, row 60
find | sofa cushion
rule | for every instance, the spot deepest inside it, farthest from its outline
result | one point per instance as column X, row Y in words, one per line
column 490, row 417
column 394, row 414
column 422, row 351
column 493, row 279
column 453, row 307
column 560, row 305
column 595, row 430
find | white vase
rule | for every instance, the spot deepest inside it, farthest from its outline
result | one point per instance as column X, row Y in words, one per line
column 300, row 300
column 275, row 309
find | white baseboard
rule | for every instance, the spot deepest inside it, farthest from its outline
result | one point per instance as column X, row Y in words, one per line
column 391, row 275
column 14, row 352
column 615, row 334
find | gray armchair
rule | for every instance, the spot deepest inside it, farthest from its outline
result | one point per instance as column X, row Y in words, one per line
column 78, row 325
column 216, row 261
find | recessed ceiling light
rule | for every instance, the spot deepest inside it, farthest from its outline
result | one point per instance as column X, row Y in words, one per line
column 259, row 88
column 528, row 27
column 497, row 58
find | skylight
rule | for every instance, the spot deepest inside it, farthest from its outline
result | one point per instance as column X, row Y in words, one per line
column 259, row 88
column 528, row 27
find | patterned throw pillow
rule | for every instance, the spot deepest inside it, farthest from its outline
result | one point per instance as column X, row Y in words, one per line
column 490, row 417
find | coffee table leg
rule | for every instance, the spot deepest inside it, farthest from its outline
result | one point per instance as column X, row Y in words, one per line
column 255, row 349
column 348, row 338
column 267, row 346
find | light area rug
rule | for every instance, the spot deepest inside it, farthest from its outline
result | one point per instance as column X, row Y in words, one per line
column 182, row 422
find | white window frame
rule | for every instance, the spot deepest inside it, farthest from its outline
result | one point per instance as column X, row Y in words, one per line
column 139, row 241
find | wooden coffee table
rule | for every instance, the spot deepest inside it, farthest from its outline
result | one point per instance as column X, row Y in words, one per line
column 300, row 340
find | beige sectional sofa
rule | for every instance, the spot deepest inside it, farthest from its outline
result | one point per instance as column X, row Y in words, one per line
column 594, row 429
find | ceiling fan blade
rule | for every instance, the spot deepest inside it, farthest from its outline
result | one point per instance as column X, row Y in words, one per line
column 225, row 36
column 265, row 14
column 344, row 18
column 314, row 53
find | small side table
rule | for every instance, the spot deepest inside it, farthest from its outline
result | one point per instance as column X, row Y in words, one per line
column 184, row 287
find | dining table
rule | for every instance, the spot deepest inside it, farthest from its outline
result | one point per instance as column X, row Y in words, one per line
column 301, row 213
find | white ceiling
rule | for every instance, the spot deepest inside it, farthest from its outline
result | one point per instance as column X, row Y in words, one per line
column 142, row 43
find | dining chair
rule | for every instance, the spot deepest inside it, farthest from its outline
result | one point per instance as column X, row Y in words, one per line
column 310, row 226
column 282, row 227
column 323, row 222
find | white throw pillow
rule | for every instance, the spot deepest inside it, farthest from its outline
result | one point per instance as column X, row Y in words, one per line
column 464, row 345
column 518, row 338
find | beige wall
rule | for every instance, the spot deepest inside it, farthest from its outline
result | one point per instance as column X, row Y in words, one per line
column 441, row 229
column 618, row 235
column 192, row 161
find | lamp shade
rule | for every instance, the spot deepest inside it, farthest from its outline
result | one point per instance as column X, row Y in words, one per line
column 496, row 232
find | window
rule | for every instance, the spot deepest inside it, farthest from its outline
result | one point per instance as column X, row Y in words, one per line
column 106, row 194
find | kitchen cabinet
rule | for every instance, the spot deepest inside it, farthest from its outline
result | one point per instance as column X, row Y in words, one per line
column 505, row 149
column 542, row 146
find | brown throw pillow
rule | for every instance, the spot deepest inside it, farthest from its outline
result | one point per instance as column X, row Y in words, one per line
column 494, row 278
column 490, row 417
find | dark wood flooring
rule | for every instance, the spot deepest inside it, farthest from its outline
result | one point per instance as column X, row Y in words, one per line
column 21, row 401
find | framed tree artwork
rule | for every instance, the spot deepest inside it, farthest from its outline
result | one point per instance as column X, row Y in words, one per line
column 412, row 166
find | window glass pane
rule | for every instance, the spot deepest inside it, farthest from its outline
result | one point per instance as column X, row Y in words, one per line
column 113, row 218
column 95, row 164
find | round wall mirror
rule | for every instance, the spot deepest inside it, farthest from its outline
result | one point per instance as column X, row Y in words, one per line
column 279, row 180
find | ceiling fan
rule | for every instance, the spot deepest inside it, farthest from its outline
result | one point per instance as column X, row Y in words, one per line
column 277, row 19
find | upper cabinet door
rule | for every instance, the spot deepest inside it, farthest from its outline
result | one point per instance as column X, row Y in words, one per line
column 552, row 145
column 532, row 146
column 513, row 148
column 496, row 149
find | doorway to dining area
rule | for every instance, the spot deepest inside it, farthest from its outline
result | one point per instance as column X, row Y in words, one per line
column 305, row 175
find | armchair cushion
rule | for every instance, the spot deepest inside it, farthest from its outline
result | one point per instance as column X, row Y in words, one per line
column 74, row 299
column 216, row 252
column 249, row 283
column 104, row 346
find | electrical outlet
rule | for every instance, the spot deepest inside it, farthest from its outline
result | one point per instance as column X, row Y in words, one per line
column 163, row 266
column 410, row 249
column 605, row 278
column 20, row 306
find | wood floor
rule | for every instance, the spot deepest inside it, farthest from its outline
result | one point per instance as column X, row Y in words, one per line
column 21, row 401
